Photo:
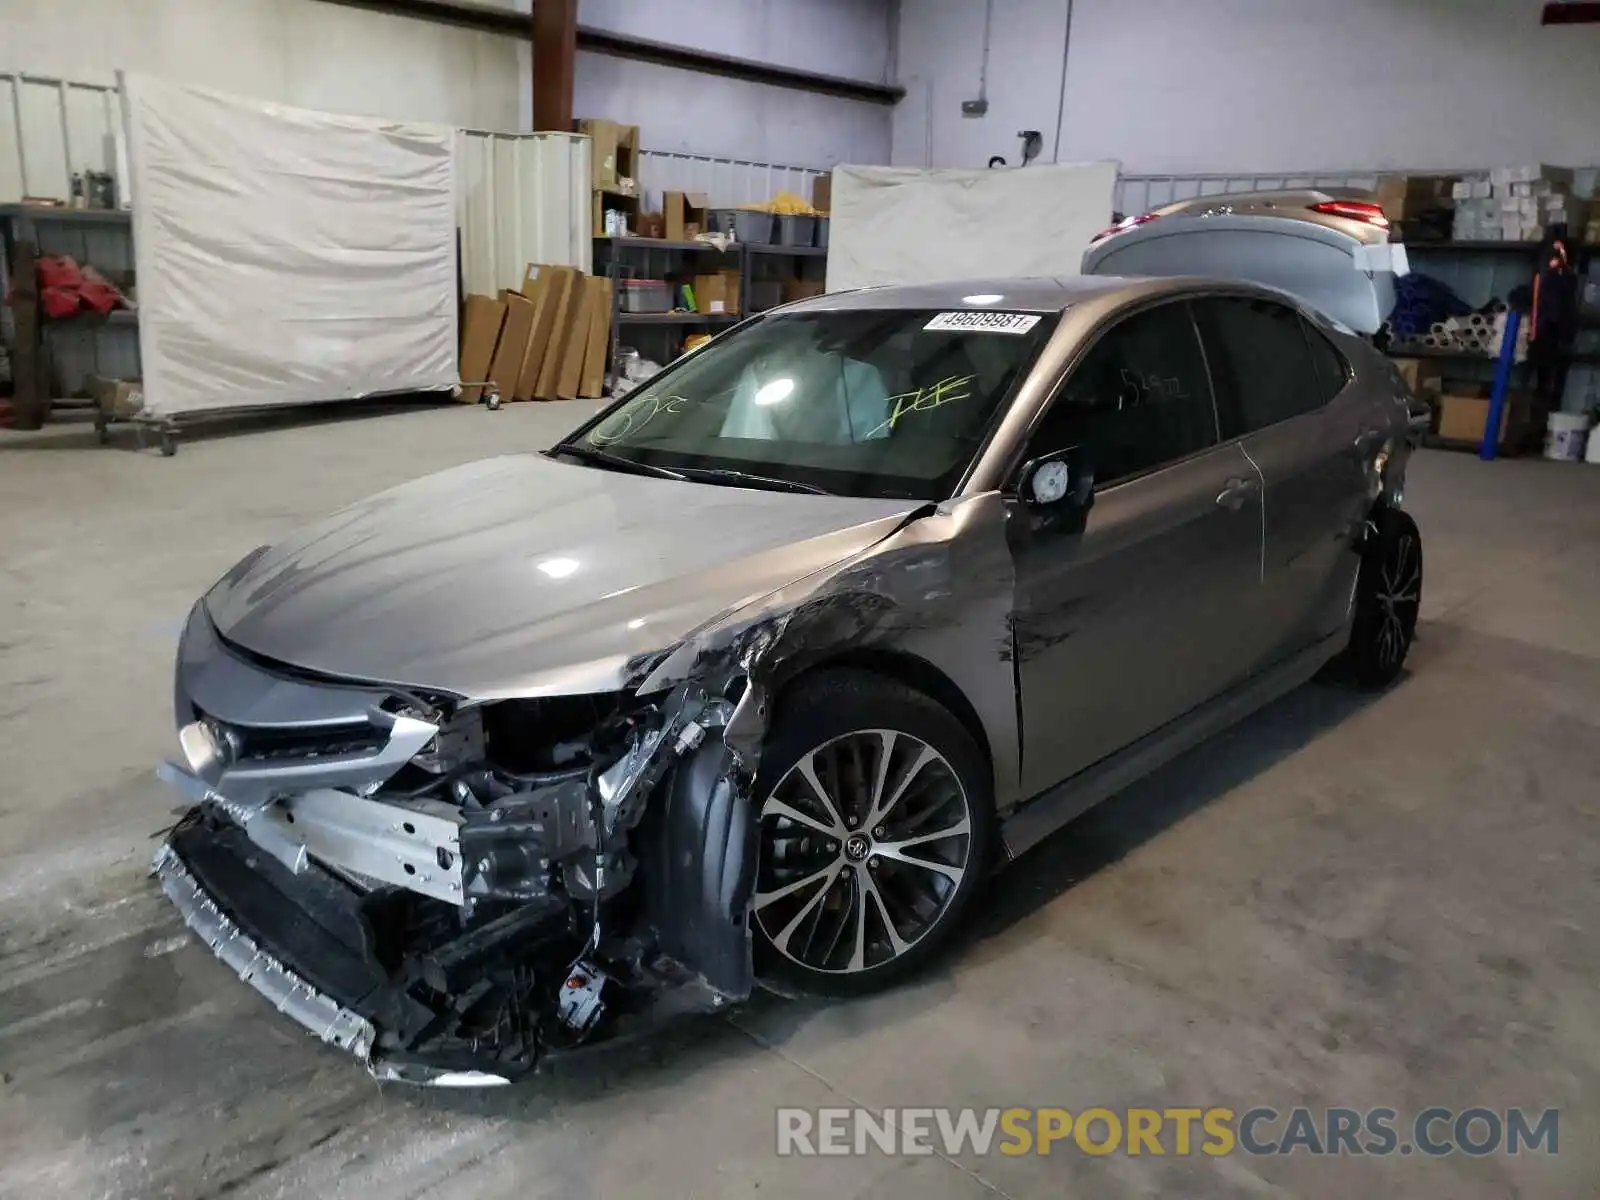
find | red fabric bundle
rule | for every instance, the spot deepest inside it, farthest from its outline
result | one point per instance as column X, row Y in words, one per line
column 59, row 272
column 58, row 302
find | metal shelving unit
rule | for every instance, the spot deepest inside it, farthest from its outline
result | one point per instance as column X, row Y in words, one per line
column 1576, row 357
column 1467, row 271
column 676, row 318
column 787, row 251
column 612, row 259
column 94, row 237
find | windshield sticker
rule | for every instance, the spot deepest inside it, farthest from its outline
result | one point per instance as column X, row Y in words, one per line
column 983, row 322
column 633, row 419
column 946, row 391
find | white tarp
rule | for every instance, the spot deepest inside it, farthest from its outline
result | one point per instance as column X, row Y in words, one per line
column 286, row 256
column 908, row 225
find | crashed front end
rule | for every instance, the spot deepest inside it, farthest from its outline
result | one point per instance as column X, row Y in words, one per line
column 454, row 891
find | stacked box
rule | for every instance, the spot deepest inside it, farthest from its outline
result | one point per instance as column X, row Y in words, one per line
column 1504, row 177
column 1516, row 204
column 1477, row 216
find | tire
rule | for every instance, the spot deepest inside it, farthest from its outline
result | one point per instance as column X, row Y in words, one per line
column 845, row 904
column 1388, row 598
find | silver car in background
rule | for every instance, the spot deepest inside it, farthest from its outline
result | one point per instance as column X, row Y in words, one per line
column 754, row 676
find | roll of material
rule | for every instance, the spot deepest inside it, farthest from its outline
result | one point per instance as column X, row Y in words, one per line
column 1438, row 327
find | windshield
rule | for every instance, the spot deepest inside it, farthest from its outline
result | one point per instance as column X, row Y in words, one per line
column 868, row 403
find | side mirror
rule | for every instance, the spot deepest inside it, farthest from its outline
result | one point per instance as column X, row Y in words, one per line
column 1058, row 489
column 1060, row 480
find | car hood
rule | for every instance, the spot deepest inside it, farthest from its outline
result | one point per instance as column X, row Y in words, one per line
column 528, row 576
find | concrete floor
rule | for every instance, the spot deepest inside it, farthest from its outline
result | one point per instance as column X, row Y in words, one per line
column 1345, row 901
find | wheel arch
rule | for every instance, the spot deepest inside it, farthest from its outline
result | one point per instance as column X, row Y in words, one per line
column 914, row 672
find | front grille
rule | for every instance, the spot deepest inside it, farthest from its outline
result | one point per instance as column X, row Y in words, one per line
column 275, row 745
column 258, row 745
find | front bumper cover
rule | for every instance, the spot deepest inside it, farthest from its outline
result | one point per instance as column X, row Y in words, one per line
column 283, row 989
column 297, row 941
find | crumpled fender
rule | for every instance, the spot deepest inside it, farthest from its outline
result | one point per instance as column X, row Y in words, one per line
column 940, row 589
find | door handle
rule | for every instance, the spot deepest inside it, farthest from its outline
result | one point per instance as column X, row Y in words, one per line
column 1236, row 493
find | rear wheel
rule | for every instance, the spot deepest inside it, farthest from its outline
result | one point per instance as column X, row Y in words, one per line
column 1388, row 598
column 874, row 825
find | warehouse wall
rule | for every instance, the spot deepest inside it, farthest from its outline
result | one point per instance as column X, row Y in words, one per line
column 704, row 114
column 1252, row 85
column 303, row 52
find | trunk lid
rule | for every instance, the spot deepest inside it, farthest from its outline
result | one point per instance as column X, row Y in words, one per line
column 1343, row 268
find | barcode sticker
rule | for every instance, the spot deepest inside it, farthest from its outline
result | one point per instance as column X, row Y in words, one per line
column 983, row 322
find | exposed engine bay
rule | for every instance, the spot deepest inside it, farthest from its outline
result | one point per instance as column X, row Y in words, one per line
column 456, row 892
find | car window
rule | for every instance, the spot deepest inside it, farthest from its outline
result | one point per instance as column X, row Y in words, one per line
column 1332, row 370
column 1140, row 398
column 876, row 402
column 1261, row 362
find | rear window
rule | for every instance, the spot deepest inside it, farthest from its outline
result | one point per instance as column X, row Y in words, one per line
column 1261, row 362
column 1332, row 370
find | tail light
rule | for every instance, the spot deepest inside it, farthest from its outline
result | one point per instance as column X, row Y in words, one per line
column 1123, row 226
column 1354, row 210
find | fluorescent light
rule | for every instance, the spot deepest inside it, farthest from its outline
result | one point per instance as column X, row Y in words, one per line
column 775, row 392
column 636, row 623
column 559, row 568
column 986, row 298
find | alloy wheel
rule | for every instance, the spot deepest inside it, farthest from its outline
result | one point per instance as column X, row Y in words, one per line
column 1399, row 599
column 864, row 844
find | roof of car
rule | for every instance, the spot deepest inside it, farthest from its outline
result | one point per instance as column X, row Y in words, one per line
column 1049, row 293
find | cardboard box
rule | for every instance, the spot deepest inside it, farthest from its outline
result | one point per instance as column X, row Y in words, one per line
column 569, row 384
column 506, row 369
column 480, row 336
column 117, row 397
column 542, row 285
column 802, row 289
column 651, row 225
column 1463, row 418
column 1402, row 196
column 1421, row 374
column 717, row 293
column 564, row 299
column 614, row 156
column 822, row 193
column 592, row 385
column 685, row 214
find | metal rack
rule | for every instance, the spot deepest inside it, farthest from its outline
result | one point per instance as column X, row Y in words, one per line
column 1466, row 271
column 610, row 256
column 101, row 238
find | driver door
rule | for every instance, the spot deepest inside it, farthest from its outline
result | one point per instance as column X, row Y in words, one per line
column 1148, row 609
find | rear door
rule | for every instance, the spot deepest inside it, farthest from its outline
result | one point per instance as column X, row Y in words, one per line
column 1349, row 278
column 1283, row 390
column 1149, row 609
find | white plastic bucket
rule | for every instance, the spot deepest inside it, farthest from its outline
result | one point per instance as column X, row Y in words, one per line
column 1565, row 435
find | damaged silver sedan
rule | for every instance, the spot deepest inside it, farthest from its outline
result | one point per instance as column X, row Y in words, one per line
column 754, row 677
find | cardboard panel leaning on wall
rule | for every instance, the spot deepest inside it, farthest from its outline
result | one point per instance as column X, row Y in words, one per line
column 288, row 256
column 895, row 225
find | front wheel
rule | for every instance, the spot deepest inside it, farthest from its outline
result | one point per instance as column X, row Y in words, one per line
column 874, row 825
column 1388, row 599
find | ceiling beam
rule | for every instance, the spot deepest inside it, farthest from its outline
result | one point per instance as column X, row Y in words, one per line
column 620, row 45
column 451, row 12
